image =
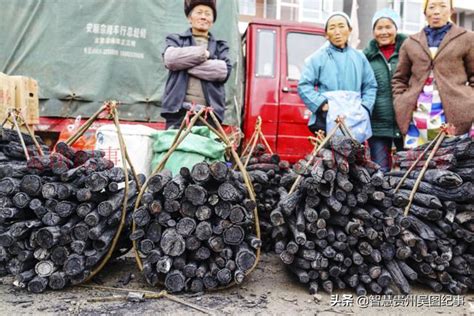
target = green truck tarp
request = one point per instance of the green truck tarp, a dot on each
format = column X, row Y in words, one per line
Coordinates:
column 83, row 52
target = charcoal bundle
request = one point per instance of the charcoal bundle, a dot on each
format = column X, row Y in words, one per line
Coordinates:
column 454, row 153
column 12, row 154
column 271, row 178
column 437, row 243
column 337, row 222
column 195, row 231
column 60, row 217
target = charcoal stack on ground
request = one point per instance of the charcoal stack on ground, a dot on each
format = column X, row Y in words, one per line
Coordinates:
column 271, row 178
column 12, row 155
column 58, row 217
column 437, row 245
column 338, row 221
column 455, row 153
column 195, row 231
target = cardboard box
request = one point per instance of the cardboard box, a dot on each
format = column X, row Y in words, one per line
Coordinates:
column 7, row 96
column 26, row 98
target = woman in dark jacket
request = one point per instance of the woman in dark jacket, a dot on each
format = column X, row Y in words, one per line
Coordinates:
column 382, row 53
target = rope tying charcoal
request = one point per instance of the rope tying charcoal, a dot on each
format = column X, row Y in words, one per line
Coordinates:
column 250, row 148
column 251, row 145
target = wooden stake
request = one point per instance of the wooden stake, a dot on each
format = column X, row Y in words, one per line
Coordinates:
column 440, row 139
column 416, row 162
column 147, row 295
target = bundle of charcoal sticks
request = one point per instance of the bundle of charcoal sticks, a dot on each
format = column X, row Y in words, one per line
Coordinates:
column 439, row 243
column 12, row 154
column 455, row 153
column 271, row 178
column 346, row 227
column 336, row 222
column 195, row 230
column 59, row 214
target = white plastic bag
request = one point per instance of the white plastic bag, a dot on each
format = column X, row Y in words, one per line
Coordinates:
column 349, row 105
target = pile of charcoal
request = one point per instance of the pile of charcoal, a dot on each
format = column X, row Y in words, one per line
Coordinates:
column 338, row 222
column 58, row 217
column 438, row 245
column 346, row 228
column 455, row 153
column 12, row 154
column 271, row 178
column 195, row 231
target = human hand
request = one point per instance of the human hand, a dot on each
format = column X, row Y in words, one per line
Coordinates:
column 207, row 54
column 450, row 129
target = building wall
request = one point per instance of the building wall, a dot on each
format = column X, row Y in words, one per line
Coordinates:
column 408, row 10
column 249, row 10
column 292, row 10
column 464, row 5
column 412, row 15
column 465, row 18
column 246, row 7
column 364, row 14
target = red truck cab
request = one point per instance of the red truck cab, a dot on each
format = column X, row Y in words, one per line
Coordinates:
column 275, row 52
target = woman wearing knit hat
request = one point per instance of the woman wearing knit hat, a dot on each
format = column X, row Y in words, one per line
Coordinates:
column 434, row 81
column 382, row 53
column 198, row 65
column 344, row 80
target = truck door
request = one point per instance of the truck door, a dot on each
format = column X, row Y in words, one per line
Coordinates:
column 262, row 80
column 292, row 136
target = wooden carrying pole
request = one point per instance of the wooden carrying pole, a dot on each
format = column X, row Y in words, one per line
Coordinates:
column 256, row 136
column 17, row 119
column 413, row 166
column 319, row 144
column 439, row 140
column 146, row 295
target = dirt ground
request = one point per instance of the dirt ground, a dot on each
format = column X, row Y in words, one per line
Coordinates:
column 269, row 290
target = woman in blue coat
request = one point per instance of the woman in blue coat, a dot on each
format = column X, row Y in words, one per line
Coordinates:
column 344, row 80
